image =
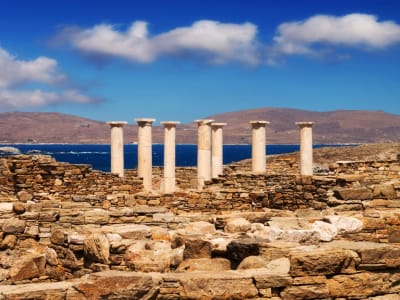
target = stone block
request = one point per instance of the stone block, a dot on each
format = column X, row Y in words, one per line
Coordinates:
column 359, row 193
column 317, row 261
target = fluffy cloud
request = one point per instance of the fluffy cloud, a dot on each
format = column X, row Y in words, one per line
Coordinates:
column 42, row 70
column 14, row 72
column 353, row 30
column 16, row 99
column 216, row 42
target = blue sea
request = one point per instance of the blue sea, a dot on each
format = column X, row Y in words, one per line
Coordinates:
column 98, row 156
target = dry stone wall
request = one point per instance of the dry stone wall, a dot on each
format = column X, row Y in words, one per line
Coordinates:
column 273, row 236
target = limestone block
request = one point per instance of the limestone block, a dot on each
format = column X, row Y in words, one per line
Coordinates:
column 196, row 247
column 149, row 256
column 359, row 193
column 24, row 196
column 313, row 261
column 6, row 207
column 199, row 227
column 14, row 226
column 363, row 284
column 315, row 291
column 217, row 285
column 97, row 248
column 204, row 264
column 129, row 231
column 276, row 266
column 385, row 191
column 237, row 225
column 27, row 267
column 327, row 232
column 96, row 216
column 113, row 285
column 345, row 224
column 374, row 255
column 8, row 242
column 237, row 250
column 53, row 290
column 51, row 257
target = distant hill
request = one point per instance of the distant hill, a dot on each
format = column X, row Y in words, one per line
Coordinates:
column 342, row 126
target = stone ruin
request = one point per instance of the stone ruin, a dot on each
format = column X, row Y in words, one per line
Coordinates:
column 70, row 232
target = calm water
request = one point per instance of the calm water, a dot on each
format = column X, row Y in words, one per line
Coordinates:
column 99, row 155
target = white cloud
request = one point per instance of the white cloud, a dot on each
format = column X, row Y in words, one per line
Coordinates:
column 353, row 30
column 42, row 70
column 14, row 72
column 16, row 99
column 216, row 42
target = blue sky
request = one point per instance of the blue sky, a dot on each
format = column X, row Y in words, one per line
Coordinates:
column 184, row 60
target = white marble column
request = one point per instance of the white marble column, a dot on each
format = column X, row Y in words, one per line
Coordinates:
column 169, row 181
column 258, row 164
column 145, row 165
column 306, row 148
column 217, row 149
column 117, row 147
column 203, row 152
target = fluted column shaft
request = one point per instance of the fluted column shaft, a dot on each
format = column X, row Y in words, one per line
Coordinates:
column 117, row 147
column 258, row 152
column 169, row 182
column 217, row 149
column 145, row 163
column 306, row 148
column 203, row 152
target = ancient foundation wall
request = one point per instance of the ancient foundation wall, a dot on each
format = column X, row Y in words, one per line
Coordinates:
column 60, row 221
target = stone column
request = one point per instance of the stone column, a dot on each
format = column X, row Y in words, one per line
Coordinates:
column 217, row 149
column 258, row 152
column 117, row 147
column 203, row 152
column 144, row 167
column 306, row 150
column 169, row 156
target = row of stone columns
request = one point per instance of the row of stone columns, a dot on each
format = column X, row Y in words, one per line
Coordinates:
column 209, row 150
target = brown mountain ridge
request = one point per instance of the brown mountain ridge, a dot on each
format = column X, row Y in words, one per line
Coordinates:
column 342, row 126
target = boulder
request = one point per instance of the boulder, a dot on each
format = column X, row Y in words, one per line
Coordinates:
column 196, row 247
column 237, row 225
column 151, row 256
column 237, row 250
column 385, row 191
column 327, row 232
column 97, row 248
column 8, row 242
column 6, row 207
column 29, row 266
column 345, row 224
column 14, row 226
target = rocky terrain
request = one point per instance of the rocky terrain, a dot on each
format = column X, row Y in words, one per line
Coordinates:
column 68, row 232
column 330, row 127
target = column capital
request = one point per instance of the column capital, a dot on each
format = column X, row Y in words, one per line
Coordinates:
column 304, row 124
column 218, row 125
column 144, row 121
column 259, row 123
column 117, row 123
column 168, row 124
column 203, row 121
